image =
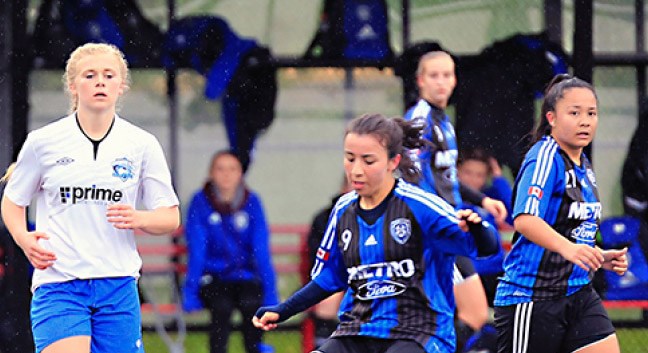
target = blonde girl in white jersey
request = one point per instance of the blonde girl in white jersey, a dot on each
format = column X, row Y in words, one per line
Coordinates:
column 87, row 171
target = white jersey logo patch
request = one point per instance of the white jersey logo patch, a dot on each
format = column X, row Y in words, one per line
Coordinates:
column 123, row 168
column 401, row 230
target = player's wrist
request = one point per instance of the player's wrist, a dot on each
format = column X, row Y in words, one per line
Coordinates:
column 21, row 238
column 141, row 218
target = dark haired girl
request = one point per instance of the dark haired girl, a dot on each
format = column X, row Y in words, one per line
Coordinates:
column 545, row 301
column 389, row 245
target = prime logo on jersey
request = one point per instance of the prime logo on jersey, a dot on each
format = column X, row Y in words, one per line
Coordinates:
column 89, row 195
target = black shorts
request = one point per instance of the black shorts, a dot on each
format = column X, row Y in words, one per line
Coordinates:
column 362, row 344
column 562, row 325
column 464, row 268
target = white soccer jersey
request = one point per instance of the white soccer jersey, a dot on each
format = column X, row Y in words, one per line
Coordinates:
column 74, row 183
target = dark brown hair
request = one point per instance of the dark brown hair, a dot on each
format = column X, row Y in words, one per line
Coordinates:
column 221, row 153
column 475, row 154
column 396, row 135
column 554, row 92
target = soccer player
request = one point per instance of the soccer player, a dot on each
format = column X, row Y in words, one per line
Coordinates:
column 390, row 246
column 229, row 254
column 87, row 172
column 437, row 161
column 545, row 301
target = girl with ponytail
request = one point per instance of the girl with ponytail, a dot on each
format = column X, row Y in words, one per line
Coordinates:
column 545, row 301
column 390, row 246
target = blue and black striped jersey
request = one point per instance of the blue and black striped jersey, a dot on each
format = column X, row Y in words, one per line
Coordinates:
column 437, row 161
column 397, row 271
column 564, row 195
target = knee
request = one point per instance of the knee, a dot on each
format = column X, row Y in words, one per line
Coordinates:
column 475, row 318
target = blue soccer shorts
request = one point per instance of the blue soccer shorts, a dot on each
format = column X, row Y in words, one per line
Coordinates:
column 106, row 309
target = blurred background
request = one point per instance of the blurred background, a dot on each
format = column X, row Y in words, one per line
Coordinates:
column 295, row 164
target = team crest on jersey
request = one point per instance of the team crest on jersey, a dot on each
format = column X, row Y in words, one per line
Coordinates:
column 123, row 168
column 401, row 230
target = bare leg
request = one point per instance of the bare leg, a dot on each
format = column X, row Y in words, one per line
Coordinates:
column 609, row 344
column 472, row 306
column 76, row 344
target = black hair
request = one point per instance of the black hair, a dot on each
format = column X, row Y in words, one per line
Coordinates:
column 476, row 154
column 396, row 135
column 553, row 93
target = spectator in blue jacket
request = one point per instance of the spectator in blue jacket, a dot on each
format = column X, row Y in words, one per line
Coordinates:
column 229, row 257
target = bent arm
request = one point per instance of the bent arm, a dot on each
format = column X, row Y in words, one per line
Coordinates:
column 162, row 220
column 540, row 232
column 301, row 300
column 14, row 217
column 486, row 238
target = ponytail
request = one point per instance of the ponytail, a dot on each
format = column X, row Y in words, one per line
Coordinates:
column 7, row 175
column 396, row 135
column 411, row 140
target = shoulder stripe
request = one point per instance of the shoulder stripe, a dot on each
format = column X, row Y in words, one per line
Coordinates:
column 544, row 161
column 548, row 164
column 420, row 111
column 532, row 206
column 432, row 201
column 344, row 201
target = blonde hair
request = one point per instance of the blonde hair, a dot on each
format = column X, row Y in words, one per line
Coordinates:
column 91, row 49
column 429, row 56
column 8, row 172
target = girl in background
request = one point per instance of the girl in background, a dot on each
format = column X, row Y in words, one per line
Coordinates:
column 229, row 264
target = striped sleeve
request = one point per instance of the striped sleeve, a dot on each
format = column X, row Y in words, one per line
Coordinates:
column 329, row 271
column 438, row 221
column 536, row 180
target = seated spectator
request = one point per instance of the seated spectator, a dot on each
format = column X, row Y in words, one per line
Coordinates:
column 480, row 171
column 229, row 264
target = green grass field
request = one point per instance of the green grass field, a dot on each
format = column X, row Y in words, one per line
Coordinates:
column 282, row 341
column 632, row 341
